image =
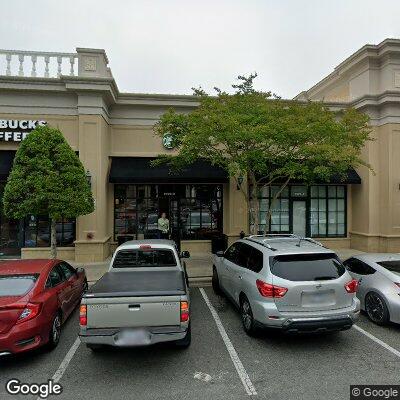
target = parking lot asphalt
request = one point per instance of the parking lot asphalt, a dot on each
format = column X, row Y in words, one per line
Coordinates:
column 278, row 366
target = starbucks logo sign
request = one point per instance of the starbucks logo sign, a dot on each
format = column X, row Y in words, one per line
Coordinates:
column 168, row 141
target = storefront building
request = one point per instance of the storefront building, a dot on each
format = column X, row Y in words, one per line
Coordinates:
column 112, row 132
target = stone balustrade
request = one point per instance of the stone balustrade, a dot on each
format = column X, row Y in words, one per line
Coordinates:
column 37, row 63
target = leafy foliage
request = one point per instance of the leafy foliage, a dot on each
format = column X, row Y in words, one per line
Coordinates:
column 47, row 178
column 266, row 139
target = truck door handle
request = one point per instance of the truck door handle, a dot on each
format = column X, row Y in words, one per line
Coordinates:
column 134, row 307
column 240, row 277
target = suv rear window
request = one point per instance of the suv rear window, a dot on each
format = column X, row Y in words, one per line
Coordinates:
column 16, row 285
column 393, row 265
column 144, row 258
column 307, row 267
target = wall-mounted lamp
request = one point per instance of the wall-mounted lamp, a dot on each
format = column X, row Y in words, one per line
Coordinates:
column 239, row 182
column 89, row 178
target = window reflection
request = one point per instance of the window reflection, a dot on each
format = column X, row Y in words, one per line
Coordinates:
column 326, row 209
column 194, row 211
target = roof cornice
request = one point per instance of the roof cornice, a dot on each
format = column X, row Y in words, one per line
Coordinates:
column 367, row 54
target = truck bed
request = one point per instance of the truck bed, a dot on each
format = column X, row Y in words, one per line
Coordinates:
column 138, row 283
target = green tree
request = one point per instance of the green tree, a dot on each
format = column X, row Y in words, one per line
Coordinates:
column 268, row 140
column 47, row 179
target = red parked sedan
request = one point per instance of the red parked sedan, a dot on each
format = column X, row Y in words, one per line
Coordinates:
column 36, row 297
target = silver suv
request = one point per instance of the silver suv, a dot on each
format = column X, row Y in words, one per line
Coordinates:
column 287, row 282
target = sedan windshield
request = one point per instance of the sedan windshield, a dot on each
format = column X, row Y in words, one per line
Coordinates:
column 16, row 285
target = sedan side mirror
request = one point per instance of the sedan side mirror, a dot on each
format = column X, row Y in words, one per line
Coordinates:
column 219, row 253
column 185, row 254
column 79, row 270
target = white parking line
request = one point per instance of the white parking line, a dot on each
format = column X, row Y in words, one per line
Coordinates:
column 67, row 359
column 378, row 341
column 244, row 377
column 65, row 362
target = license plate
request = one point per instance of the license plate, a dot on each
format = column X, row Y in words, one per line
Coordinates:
column 132, row 337
column 319, row 299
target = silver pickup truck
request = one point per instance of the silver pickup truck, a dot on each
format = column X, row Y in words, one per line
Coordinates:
column 143, row 299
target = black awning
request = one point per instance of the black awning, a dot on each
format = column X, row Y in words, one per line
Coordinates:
column 6, row 162
column 139, row 170
column 351, row 177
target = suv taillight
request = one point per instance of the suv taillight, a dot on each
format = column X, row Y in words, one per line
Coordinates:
column 352, row 286
column 268, row 290
column 83, row 315
column 184, row 311
column 30, row 311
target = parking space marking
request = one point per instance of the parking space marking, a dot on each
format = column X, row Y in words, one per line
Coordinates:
column 244, row 377
column 378, row 341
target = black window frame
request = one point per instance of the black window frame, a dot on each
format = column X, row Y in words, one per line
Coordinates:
column 324, row 194
column 34, row 231
column 140, row 200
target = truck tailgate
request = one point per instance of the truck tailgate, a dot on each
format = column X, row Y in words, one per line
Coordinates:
column 130, row 312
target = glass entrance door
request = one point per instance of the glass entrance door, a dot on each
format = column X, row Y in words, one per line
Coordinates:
column 299, row 216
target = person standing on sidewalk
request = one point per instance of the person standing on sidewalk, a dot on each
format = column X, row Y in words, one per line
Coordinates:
column 163, row 226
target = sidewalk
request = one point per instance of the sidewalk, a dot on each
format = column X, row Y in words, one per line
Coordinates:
column 199, row 266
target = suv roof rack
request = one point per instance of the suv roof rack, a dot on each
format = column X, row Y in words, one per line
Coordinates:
column 280, row 236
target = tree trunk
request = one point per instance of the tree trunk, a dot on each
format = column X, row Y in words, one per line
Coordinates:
column 254, row 209
column 270, row 208
column 53, row 239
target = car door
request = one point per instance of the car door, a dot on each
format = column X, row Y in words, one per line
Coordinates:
column 227, row 266
column 74, row 283
column 239, row 269
column 58, row 288
column 364, row 273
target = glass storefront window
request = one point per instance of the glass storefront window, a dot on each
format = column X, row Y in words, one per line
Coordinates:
column 37, row 232
column 325, row 206
column 194, row 211
column 31, row 232
column 280, row 210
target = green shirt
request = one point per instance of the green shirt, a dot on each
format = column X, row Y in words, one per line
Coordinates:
column 163, row 225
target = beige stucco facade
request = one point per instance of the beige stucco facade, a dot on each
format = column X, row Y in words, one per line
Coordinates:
column 100, row 123
column 369, row 80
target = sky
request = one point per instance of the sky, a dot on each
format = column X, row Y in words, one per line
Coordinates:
column 170, row 46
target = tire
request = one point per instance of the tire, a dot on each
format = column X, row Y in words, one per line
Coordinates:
column 246, row 315
column 95, row 347
column 215, row 282
column 185, row 342
column 55, row 332
column 376, row 308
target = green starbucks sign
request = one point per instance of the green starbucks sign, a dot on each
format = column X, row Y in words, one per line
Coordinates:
column 168, row 141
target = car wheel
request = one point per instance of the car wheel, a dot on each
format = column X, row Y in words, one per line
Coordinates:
column 376, row 308
column 185, row 342
column 247, row 316
column 95, row 347
column 55, row 332
column 215, row 282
